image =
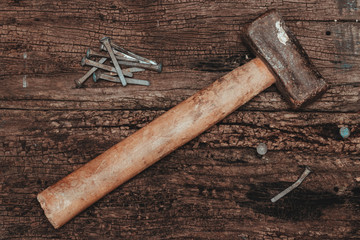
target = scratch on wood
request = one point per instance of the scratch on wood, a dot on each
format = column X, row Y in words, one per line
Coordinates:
column 24, row 82
column 24, row 78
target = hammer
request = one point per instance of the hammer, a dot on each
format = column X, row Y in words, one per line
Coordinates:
column 280, row 59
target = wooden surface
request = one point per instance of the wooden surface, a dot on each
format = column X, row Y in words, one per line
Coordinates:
column 214, row 187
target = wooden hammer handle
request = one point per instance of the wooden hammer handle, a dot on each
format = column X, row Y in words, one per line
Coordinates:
column 74, row 193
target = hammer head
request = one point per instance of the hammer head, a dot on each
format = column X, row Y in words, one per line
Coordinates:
column 296, row 77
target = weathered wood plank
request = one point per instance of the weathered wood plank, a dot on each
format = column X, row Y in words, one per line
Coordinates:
column 284, row 131
column 334, row 54
column 51, row 73
column 216, row 186
column 220, row 168
column 167, row 90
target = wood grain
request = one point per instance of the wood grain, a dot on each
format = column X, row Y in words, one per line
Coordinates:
column 213, row 187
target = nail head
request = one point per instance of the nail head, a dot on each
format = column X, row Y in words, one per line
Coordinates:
column 83, row 61
column 261, row 149
column 104, row 39
column 344, row 132
column 88, row 53
column 78, row 84
column 94, row 77
column 160, row 68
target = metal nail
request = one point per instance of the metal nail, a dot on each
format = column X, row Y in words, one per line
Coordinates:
column 157, row 67
column 127, row 71
column 106, row 42
column 92, row 53
column 120, row 54
column 100, row 75
column 135, row 69
column 293, row 186
column 86, row 61
column 123, row 50
column 112, row 73
column 79, row 82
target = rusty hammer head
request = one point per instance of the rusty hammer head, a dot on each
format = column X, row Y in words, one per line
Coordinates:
column 296, row 77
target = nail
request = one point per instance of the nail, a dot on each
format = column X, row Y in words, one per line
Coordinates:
column 135, row 69
column 86, row 61
column 293, row 186
column 261, row 149
column 130, row 71
column 81, row 80
column 100, row 75
column 142, row 64
column 156, row 68
column 344, row 132
column 120, row 54
column 123, row 50
column 92, row 53
column 126, row 73
column 124, row 63
column 106, row 42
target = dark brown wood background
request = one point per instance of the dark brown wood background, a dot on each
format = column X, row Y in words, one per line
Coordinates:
column 215, row 187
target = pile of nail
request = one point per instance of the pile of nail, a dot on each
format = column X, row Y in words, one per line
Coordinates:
column 119, row 58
